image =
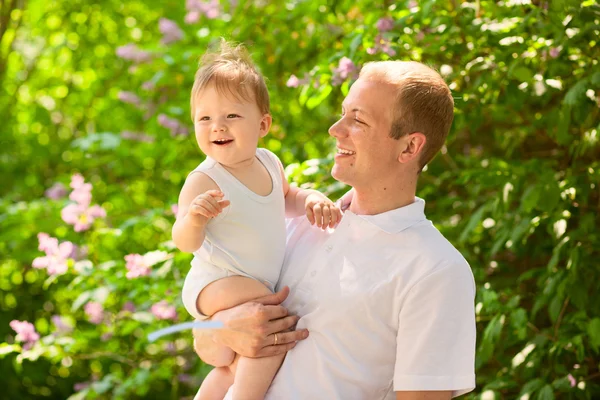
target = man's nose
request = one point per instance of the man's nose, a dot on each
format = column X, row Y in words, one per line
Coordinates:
column 337, row 129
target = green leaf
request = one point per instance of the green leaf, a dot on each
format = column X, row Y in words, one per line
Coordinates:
column 319, row 96
column 576, row 93
column 546, row 393
column 473, row 222
column 523, row 74
column 6, row 348
column 593, row 331
column 531, row 386
column 81, row 299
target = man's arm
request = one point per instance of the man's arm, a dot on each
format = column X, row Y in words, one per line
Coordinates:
column 424, row 395
column 249, row 330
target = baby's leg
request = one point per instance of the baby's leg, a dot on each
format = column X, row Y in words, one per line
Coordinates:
column 215, row 385
column 253, row 376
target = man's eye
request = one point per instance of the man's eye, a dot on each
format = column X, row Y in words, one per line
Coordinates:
column 232, row 116
column 359, row 121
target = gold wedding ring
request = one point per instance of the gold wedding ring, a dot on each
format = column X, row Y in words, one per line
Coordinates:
column 275, row 341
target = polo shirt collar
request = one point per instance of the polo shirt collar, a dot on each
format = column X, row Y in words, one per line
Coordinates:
column 397, row 220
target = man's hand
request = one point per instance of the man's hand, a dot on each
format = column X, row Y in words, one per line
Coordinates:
column 322, row 211
column 206, row 206
column 250, row 328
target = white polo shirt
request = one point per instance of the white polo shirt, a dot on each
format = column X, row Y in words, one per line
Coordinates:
column 389, row 304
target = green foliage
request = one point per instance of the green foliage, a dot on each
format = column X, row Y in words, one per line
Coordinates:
column 516, row 188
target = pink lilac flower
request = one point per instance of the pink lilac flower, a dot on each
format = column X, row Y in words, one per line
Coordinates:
column 137, row 136
column 94, row 311
column 381, row 45
column 148, row 85
column 162, row 310
column 80, row 214
column 56, row 192
column 131, row 52
column 81, row 217
column 61, row 326
column 57, row 255
column 25, row 333
column 385, row 24
column 293, row 82
column 174, row 209
column 136, row 266
column 572, row 380
column 172, row 124
column 211, row 9
column 170, row 30
column 129, row 98
column 346, row 69
column 554, row 52
column 82, row 192
column 81, row 386
column 129, row 307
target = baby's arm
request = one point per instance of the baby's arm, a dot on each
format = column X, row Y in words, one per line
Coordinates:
column 315, row 205
column 199, row 201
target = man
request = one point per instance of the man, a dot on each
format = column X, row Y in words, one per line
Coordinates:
column 387, row 300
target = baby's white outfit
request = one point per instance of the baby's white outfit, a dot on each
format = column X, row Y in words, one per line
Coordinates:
column 247, row 238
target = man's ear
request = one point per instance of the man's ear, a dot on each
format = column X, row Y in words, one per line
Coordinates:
column 412, row 147
column 265, row 124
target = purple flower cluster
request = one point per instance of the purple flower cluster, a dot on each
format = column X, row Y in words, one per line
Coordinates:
column 346, row 69
column 80, row 214
column 56, row 192
column 294, row 82
column 383, row 45
column 131, row 52
column 170, row 30
column 210, row 9
column 176, row 127
column 129, row 98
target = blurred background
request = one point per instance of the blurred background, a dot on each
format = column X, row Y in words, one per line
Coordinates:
column 95, row 145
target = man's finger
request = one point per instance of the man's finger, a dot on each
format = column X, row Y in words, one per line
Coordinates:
column 282, row 324
column 291, row 337
column 318, row 215
column 275, row 298
column 326, row 216
column 275, row 350
column 310, row 215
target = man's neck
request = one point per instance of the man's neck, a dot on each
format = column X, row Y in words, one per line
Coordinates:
column 372, row 202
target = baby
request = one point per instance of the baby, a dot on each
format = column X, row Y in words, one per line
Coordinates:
column 232, row 209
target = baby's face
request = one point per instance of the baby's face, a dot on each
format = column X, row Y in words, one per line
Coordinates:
column 228, row 129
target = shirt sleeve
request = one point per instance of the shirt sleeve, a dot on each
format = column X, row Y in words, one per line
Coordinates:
column 435, row 345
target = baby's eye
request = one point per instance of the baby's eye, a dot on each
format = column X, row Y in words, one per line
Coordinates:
column 205, row 118
column 232, row 115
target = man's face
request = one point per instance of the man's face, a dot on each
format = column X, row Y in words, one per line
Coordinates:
column 365, row 151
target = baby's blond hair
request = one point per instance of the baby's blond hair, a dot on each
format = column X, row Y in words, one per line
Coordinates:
column 233, row 73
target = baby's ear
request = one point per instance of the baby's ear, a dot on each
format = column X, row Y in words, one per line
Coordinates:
column 265, row 124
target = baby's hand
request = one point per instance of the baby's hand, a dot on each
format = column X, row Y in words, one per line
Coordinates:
column 322, row 211
column 206, row 206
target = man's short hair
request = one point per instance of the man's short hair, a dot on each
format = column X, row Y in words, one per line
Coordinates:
column 233, row 73
column 423, row 104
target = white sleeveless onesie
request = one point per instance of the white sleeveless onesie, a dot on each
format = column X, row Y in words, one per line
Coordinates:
column 247, row 238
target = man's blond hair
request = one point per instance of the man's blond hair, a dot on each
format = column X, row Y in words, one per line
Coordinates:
column 423, row 102
column 232, row 72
